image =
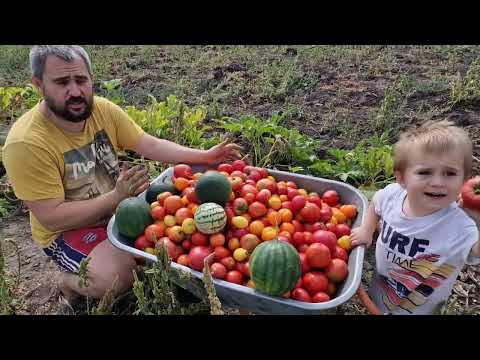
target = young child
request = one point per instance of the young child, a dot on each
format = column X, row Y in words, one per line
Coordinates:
column 425, row 238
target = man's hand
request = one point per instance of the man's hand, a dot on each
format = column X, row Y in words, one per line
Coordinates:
column 131, row 182
column 223, row 152
column 361, row 236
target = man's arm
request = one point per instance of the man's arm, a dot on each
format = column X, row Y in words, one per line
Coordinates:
column 60, row 215
column 171, row 153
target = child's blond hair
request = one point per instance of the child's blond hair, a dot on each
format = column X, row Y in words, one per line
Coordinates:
column 434, row 137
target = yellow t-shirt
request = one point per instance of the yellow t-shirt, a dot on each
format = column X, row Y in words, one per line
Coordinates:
column 46, row 162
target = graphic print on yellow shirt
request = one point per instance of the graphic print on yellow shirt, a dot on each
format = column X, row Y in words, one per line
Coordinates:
column 46, row 162
column 91, row 170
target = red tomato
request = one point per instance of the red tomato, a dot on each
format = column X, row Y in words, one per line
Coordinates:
column 326, row 238
column 292, row 185
column 310, row 213
column 228, row 262
column 287, row 205
column 267, row 184
column 320, row 297
column 298, row 225
column 183, row 260
column 340, row 253
column 187, row 244
column 191, row 195
column 471, row 193
column 325, row 213
column 248, row 188
column 298, row 202
column 197, row 254
column 236, row 182
column 263, row 196
column 218, row 270
column 315, row 281
column 304, row 263
column 158, row 213
column 315, row 199
column 302, row 248
column 199, row 239
column 243, row 267
column 337, row 270
column 170, row 245
column 298, row 238
column 239, row 233
column 141, row 243
column 318, row 226
column 342, row 229
column 225, row 167
column 263, row 172
column 234, row 276
column 291, row 193
column 254, row 175
column 217, row 239
column 238, row 165
column 282, row 189
column 154, row 232
column 308, row 237
column 182, row 170
column 257, row 209
column 221, row 252
column 318, row 256
column 299, row 283
column 240, row 174
column 301, row 294
column 331, row 227
column 331, row 197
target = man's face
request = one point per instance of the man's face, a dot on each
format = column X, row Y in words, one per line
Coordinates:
column 67, row 88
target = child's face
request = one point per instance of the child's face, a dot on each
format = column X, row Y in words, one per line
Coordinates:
column 432, row 181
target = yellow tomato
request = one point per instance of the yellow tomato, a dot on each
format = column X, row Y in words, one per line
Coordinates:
column 169, row 220
column 240, row 254
column 345, row 242
column 239, row 222
column 274, row 202
column 269, row 233
column 256, row 227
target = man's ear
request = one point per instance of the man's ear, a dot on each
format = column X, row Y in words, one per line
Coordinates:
column 399, row 177
column 38, row 83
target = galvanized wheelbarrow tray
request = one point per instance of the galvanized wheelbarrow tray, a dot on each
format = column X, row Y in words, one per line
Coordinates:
column 237, row 296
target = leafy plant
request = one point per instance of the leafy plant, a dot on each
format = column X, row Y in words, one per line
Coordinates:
column 15, row 100
column 369, row 164
column 467, row 90
column 112, row 90
column 270, row 143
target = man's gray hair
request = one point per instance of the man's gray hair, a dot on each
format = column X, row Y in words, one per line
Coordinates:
column 39, row 54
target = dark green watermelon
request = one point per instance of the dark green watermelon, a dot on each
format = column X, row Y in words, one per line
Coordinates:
column 158, row 188
column 132, row 217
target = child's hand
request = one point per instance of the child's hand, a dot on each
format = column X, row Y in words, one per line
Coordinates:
column 360, row 236
column 475, row 215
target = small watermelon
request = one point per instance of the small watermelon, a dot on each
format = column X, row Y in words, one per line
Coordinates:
column 210, row 218
column 132, row 217
column 213, row 187
column 158, row 188
column 275, row 267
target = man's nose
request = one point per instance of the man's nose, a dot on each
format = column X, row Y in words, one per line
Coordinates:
column 74, row 90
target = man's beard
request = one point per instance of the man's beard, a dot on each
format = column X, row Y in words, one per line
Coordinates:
column 66, row 114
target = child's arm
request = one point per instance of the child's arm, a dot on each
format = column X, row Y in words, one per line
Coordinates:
column 363, row 234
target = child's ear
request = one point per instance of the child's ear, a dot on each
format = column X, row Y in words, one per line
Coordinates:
column 399, row 177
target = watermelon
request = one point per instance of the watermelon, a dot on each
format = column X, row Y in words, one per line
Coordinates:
column 132, row 217
column 275, row 267
column 210, row 218
column 157, row 188
column 213, row 187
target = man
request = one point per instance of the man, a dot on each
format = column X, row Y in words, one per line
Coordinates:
column 61, row 158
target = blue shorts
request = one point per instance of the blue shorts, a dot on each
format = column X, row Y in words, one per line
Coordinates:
column 71, row 247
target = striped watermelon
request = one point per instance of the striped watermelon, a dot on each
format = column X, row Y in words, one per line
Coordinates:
column 275, row 267
column 210, row 218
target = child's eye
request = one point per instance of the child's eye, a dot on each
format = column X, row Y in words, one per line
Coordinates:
column 424, row 172
column 451, row 173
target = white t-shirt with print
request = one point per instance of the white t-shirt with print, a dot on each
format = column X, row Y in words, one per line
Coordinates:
column 418, row 259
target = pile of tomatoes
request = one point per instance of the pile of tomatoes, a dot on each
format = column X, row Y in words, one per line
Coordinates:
column 260, row 209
